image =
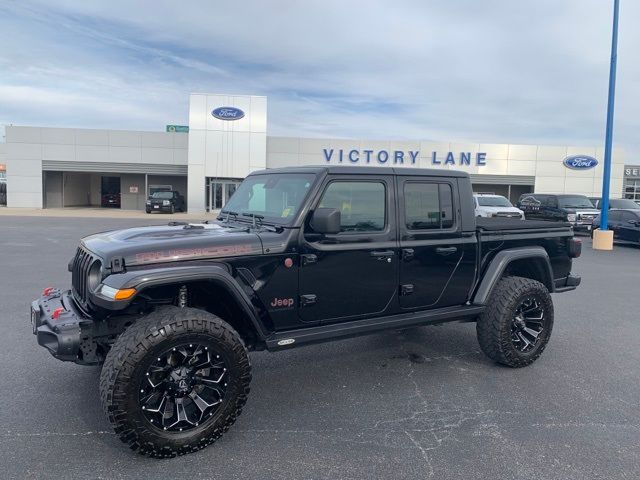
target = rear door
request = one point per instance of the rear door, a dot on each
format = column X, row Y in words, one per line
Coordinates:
column 628, row 228
column 431, row 243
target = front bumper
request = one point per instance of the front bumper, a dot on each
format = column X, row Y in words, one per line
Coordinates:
column 583, row 224
column 158, row 208
column 58, row 326
column 582, row 227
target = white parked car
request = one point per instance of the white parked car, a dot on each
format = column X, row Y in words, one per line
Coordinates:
column 495, row 206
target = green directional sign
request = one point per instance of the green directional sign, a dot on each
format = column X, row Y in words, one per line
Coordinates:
column 178, row 128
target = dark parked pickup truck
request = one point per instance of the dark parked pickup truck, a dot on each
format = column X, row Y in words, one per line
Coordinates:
column 298, row 256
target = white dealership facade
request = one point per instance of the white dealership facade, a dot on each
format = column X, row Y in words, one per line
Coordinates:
column 227, row 139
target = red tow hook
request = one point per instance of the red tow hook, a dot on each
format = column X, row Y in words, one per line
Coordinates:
column 47, row 291
column 56, row 313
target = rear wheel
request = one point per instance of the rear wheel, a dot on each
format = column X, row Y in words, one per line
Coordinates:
column 516, row 326
column 175, row 381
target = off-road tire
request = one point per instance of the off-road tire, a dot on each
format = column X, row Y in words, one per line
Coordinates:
column 494, row 325
column 124, row 368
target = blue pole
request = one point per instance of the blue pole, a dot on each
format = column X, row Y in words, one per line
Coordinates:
column 606, row 177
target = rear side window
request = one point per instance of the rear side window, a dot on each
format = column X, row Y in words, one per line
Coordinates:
column 615, row 216
column 628, row 216
column 428, row 206
column 362, row 205
column 550, row 202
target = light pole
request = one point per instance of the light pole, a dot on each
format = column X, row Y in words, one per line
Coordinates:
column 603, row 238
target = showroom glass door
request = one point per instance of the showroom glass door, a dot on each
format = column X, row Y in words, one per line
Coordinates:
column 219, row 192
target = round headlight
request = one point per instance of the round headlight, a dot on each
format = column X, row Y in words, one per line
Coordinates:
column 94, row 276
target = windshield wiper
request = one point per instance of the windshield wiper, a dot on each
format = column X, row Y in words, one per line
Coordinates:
column 228, row 214
column 254, row 217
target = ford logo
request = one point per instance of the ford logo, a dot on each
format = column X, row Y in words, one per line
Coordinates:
column 227, row 113
column 580, row 162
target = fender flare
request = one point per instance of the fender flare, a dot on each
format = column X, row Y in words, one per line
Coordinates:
column 499, row 264
column 143, row 279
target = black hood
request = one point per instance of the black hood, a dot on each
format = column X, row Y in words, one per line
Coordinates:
column 173, row 243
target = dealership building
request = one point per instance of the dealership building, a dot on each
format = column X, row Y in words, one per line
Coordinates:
column 227, row 139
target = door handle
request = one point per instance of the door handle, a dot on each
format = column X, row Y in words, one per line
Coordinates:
column 308, row 259
column 407, row 254
column 446, row 250
column 382, row 253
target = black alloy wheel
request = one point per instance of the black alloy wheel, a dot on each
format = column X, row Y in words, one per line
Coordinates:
column 527, row 324
column 175, row 381
column 516, row 325
column 183, row 387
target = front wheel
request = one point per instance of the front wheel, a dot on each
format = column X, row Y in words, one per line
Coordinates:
column 516, row 325
column 175, row 381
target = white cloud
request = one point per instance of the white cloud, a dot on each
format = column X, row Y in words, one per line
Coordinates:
column 493, row 71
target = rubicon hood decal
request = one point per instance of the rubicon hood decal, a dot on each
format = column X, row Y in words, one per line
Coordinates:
column 177, row 254
column 173, row 243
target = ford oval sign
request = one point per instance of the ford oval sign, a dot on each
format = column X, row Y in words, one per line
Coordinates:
column 580, row 162
column 227, row 113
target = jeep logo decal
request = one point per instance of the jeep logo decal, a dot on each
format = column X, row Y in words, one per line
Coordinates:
column 281, row 303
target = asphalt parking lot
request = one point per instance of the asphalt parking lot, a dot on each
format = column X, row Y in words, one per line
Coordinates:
column 422, row 403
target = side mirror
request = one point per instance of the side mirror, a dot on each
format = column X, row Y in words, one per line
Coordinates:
column 325, row 220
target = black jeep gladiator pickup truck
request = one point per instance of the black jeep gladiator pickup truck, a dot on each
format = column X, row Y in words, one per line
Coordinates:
column 297, row 256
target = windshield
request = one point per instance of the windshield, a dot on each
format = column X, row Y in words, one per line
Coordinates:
column 496, row 201
column 574, row 202
column 164, row 195
column 623, row 203
column 277, row 197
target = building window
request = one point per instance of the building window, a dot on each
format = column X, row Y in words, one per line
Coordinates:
column 632, row 189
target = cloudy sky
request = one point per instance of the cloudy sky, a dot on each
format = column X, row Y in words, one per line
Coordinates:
column 526, row 71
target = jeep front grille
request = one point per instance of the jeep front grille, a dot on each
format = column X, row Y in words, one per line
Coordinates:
column 80, row 274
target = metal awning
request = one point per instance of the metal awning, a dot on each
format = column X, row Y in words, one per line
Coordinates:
column 114, row 167
column 503, row 179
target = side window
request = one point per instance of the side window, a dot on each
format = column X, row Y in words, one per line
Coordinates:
column 446, row 205
column 549, row 201
column 428, row 206
column 362, row 205
column 614, row 216
column 626, row 216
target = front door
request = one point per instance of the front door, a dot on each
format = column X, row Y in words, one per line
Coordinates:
column 352, row 274
column 613, row 223
column 432, row 247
